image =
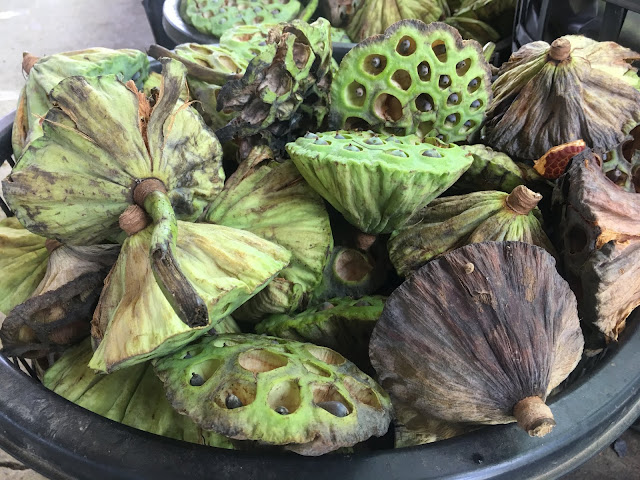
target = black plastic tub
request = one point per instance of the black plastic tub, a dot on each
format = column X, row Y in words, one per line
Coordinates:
column 181, row 32
column 63, row 441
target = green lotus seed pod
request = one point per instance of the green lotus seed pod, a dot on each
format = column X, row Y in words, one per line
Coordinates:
column 342, row 324
column 48, row 71
column 133, row 396
column 247, row 378
column 214, row 18
column 58, row 312
column 273, row 201
column 375, row 190
column 23, row 263
column 225, row 267
column 246, row 37
column 417, row 78
column 339, row 35
column 451, row 222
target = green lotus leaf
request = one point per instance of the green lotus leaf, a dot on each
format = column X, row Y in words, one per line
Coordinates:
column 23, row 263
column 74, row 182
column 377, row 182
column 134, row 321
column 573, row 89
column 273, row 201
column 133, row 396
column 48, row 71
column 280, row 392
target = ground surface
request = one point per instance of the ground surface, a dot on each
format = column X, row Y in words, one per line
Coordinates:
column 48, row 26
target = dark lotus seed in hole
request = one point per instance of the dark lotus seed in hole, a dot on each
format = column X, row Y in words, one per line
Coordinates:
column 398, row 153
column 335, row 408
column 374, row 141
column 351, row 148
column 321, row 141
column 461, row 64
column 311, row 135
column 452, row 118
column 432, row 154
column 262, row 44
column 423, row 71
column 406, row 46
column 339, row 137
column 473, row 83
column 475, row 104
column 232, row 402
column 376, row 62
column 445, row 81
column 468, row 124
column 360, row 92
column 282, row 410
column 424, row 102
column 453, row 99
column 440, row 137
column 196, row 380
column 187, row 356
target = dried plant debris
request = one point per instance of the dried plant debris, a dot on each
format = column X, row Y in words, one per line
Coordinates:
column 404, row 172
column 285, row 89
column 483, row 20
column 58, row 312
column 622, row 164
column 553, row 163
column 451, row 222
column 599, row 240
column 342, row 324
column 133, row 396
column 575, row 88
column 23, row 263
column 487, row 331
column 415, row 78
column 307, row 398
column 224, row 266
column 46, row 72
column 273, row 201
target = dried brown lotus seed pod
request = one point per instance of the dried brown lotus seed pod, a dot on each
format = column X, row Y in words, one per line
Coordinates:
column 481, row 345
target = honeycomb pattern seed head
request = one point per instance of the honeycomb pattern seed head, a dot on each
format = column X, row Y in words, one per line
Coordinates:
column 279, row 392
column 377, row 181
column 415, row 79
column 215, row 17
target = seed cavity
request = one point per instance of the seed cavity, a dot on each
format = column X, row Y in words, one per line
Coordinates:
column 374, row 64
column 232, row 402
column 444, row 81
column 196, row 380
column 476, row 104
column 406, row 46
column 339, row 137
column 282, row 410
column 424, row 71
column 398, row 153
column 453, row 99
column 374, row 141
column 424, row 102
column 431, row 153
column 321, row 141
column 311, row 135
column 473, row 85
column 440, row 50
column 351, row 148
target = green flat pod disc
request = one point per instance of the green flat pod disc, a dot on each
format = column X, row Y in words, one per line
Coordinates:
column 133, row 396
column 416, row 78
column 377, row 182
column 135, row 322
column 280, row 392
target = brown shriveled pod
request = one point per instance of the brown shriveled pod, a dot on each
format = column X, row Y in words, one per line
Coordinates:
column 480, row 335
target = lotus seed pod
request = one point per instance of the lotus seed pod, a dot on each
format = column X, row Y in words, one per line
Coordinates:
column 416, row 78
column 372, row 17
column 622, row 164
column 339, row 35
column 450, row 222
column 517, row 336
column 273, row 201
column 377, row 182
column 243, row 38
column 58, row 313
column 225, row 267
column 414, row 428
column 248, row 378
column 214, row 18
column 598, row 226
column 23, row 263
column 48, row 71
column 342, row 324
column 575, row 88
column 133, row 396
column 285, row 90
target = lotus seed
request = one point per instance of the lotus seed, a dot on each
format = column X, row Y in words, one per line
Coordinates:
column 405, row 45
column 440, row 137
column 196, row 380
column 359, row 92
column 374, row 141
column 451, row 118
column 393, row 139
column 351, row 148
column 339, row 137
column 282, row 410
column 445, row 81
column 337, row 409
column 376, row 62
column 473, row 83
column 232, row 402
column 424, row 104
column 275, row 12
column 311, row 135
column 432, row 154
column 453, row 98
column 461, row 64
column 187, row 356
column 423, row 70
column 262, row 44
column 398, row 153
column 475, row 104
column 326, row 306
column 468, row 123
column 321, row 141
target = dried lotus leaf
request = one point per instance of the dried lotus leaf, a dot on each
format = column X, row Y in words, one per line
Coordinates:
column 485, row 329
column 135, row 322
column 238, row 385
column 133, row 396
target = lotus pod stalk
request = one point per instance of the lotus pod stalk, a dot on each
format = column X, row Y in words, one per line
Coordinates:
column 305, row 397
column 415, row 79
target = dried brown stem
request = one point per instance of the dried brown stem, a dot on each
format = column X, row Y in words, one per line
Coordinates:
column 522, row 200
column 534, row 416
column 133, row 220
column 560, row 50
column 145, row 187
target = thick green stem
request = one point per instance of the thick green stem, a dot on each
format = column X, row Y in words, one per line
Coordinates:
column 176, row 288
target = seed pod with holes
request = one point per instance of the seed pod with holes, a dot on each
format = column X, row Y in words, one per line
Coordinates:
column 575, row 88
column 330, row 403
column 73, row 183
column 342, row 324
column 225, row 266
column 450, row 222
column 273, row 201
column 622, row 164
column 215, row 18
column 23, row 263
column 377, row 182
column 58, row 313
column 598, row 225
column 46, row 72
column 415, row 78
column 133, row 396
column 486, row 332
